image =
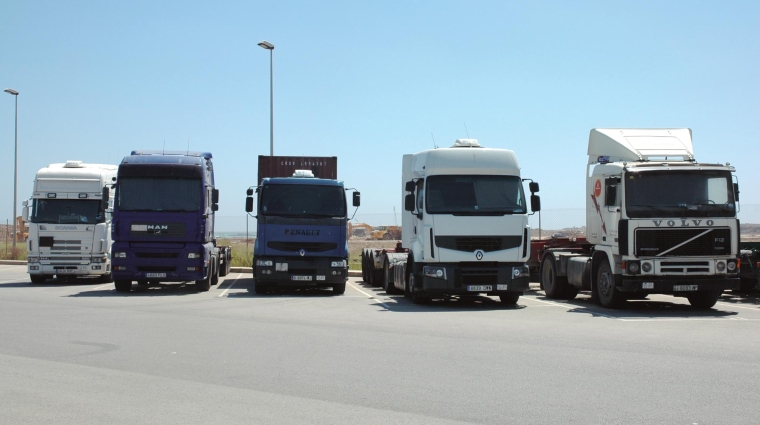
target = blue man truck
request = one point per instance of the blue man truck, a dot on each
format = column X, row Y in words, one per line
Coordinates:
column 302, row 217
column 163, row 221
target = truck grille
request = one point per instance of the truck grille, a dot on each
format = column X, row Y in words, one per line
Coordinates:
column 684, row 267
column 156, row 268
column 306, row 246
column 471, row 243
column 157, row 254
column 673, row 242
column 476, row 274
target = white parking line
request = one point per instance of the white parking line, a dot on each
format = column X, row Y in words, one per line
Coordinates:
column 370, row 296
column 224, row 293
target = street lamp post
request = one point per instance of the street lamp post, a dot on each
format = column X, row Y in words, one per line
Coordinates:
column 269, row 46
column 15, row 168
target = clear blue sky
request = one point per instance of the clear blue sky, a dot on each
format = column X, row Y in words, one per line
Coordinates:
column 370, row 81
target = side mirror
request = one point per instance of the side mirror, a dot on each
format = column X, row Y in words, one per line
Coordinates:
column 533, row 186
column 409, row 186
column 535, row 203
column 214, row 207
column 357, row 199
column 736, row 192
column 25, row 212
column 104, row 199
column 249, row 192
column 409, row 202
column 215, row 196
column 249, row 203
column 610, row 195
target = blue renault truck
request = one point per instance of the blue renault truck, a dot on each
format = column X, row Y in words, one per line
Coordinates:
column 302, row 218
column 163, row 221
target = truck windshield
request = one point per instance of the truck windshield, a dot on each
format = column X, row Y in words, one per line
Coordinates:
column 698, row 193
column 475, row 195
column 160, row 194
column 66, row 211
column 303, row 200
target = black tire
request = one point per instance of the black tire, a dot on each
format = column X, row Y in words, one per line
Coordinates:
column 215, row 271
column 123, row 285
column 554, row 286
column 339, row 289
column 387, row 237
column 416, row 296
column 365, row 274
column 260, row 289
column 609, row 296
column 105, row 278
column 225, row 269
column 37, row 278
column 704, row 299
column 203, row 285
column 388, row 285
column 510, row 298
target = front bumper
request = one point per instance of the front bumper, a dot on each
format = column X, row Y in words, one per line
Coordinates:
column 69, row 269
column 476, row 279
column 289, row 272
column 666, row 284
column 159, row 264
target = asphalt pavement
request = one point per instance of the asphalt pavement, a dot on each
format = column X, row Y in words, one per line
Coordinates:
column 82, row 353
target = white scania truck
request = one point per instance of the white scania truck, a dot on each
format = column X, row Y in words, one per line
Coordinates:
column 465, row 230
column 657, row 222
column 69, row 218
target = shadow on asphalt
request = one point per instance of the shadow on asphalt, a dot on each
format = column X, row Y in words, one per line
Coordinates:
column 741, row 298
column 401, row 304
column 53, row 283
column 156, row 290
column 639, row 309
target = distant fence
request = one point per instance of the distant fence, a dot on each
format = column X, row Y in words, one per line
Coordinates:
column 552, row 220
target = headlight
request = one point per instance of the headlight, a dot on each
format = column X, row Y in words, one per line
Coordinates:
column 434, row 271
column 32, row 259
column 264, row 263
column 119, row 255
column 341, row 263
column 633, row 267
column 731, row 266
column 522, row 271
column 720, row 266
column 194, row 255
column 99, row 259
column 646, row 267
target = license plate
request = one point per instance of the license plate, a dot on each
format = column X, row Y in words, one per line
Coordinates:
column 65, row 271
column 684, row 288
column 155, row 274
column 647, row 285
column 300, row 277
column 320, row 278
column 480, row 288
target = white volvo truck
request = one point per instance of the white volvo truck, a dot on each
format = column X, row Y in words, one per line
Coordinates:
column 69, row 218
column 465, row 230
column 657, row 222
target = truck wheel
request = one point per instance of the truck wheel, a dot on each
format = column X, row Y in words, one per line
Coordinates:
column 609, row 296
column 105, row 278
column 215, row 270
column 554, row 286
column 510, row 298
column 704, row 299
column 260, row 289
column 204, row 285
column 339, row 289
column 365, row 276
column 387, row 237
column 123, row 285
column 225, row 269
column 416, row 296
column 37, row 278
column 388, row 285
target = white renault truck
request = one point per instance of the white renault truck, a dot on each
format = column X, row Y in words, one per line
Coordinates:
column 465, row 230
column 69, row 218
column 657, row 222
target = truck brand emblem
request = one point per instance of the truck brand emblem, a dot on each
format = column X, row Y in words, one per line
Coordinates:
column 302, row 232
column 302, row 252
column 598, row 188
column 684, row 222
column 479, row 254
column 65, row 227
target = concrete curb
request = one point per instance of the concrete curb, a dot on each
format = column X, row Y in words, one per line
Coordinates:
column 13, row 262
column 351, row 273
